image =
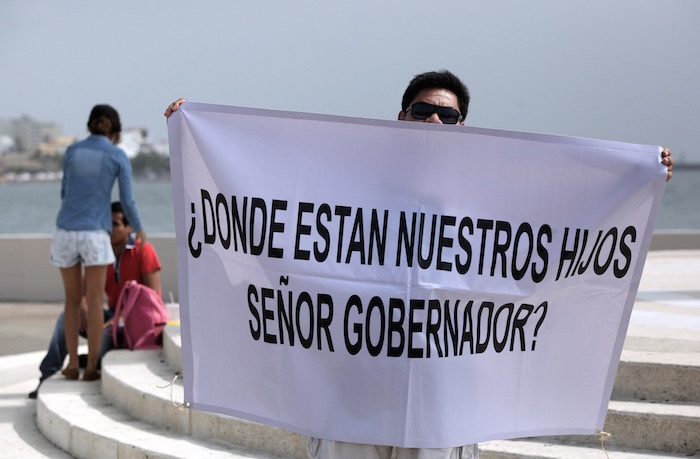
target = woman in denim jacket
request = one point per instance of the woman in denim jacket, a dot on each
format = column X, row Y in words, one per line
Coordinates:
column 81, row 246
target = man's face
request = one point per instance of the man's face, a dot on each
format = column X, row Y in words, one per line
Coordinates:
column 120, row 231
column 434, row 96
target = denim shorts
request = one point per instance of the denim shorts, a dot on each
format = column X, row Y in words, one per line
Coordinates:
column 90, row 248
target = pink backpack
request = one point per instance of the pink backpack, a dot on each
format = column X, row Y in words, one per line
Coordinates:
column 143, row 317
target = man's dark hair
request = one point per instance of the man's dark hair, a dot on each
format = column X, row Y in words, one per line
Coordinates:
column 442, row 79
column 117, row 207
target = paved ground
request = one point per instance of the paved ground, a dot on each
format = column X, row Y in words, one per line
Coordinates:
column 26, row 327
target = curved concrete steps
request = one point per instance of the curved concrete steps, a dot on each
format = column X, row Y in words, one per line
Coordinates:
column 143, row 387
column 655, row 412
column 129, row 414
column 78, row 419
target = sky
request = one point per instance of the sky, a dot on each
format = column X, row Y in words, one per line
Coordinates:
column 626, row 70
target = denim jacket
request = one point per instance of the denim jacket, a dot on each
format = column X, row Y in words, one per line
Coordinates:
column 90, row 168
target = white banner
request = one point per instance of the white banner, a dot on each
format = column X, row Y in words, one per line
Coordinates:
column 402, row 283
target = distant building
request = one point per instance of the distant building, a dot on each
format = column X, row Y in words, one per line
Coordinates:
column 26, row 135
column 136, row 140
column 162, row 148
column 7, row 138
column 6, row 127
column 7, row 143
column 29, row 133
column 55, row 146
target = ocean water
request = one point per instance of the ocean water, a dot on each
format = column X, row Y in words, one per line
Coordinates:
column 31, row 208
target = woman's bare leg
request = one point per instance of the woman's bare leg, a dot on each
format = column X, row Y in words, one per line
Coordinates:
column 94, row 294
column 73, row 289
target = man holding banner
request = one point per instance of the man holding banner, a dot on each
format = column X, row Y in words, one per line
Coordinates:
column 489, row 277
column 438, row 98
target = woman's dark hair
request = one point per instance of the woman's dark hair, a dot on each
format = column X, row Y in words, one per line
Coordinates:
column 104, row 120
column 443, row 79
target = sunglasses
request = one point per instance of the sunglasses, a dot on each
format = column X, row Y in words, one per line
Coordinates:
column 424, row 110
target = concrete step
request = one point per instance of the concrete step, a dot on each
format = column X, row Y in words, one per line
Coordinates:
column 655, row 404
column 658, row 376
column 528, row 449
column 141, row 384
column 172, row 347
column 665, row 427
column 672, row 427
column 78, row 419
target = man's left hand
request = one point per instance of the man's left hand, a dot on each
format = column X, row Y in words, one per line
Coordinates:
column 667, row 160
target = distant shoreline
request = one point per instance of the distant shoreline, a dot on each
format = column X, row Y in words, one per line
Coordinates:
column 54, row 178
column 51, row 176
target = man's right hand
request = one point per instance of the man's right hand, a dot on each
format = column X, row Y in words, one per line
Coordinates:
column 172, row 107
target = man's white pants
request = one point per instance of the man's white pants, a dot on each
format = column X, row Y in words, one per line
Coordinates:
column 329, row 449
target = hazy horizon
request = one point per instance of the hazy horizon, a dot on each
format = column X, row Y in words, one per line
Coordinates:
column 625, row 70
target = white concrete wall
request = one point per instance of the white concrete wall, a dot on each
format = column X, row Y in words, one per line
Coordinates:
column 27, row 275
column 675, row 240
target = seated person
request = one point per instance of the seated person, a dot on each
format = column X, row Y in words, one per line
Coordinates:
column 134, row 261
